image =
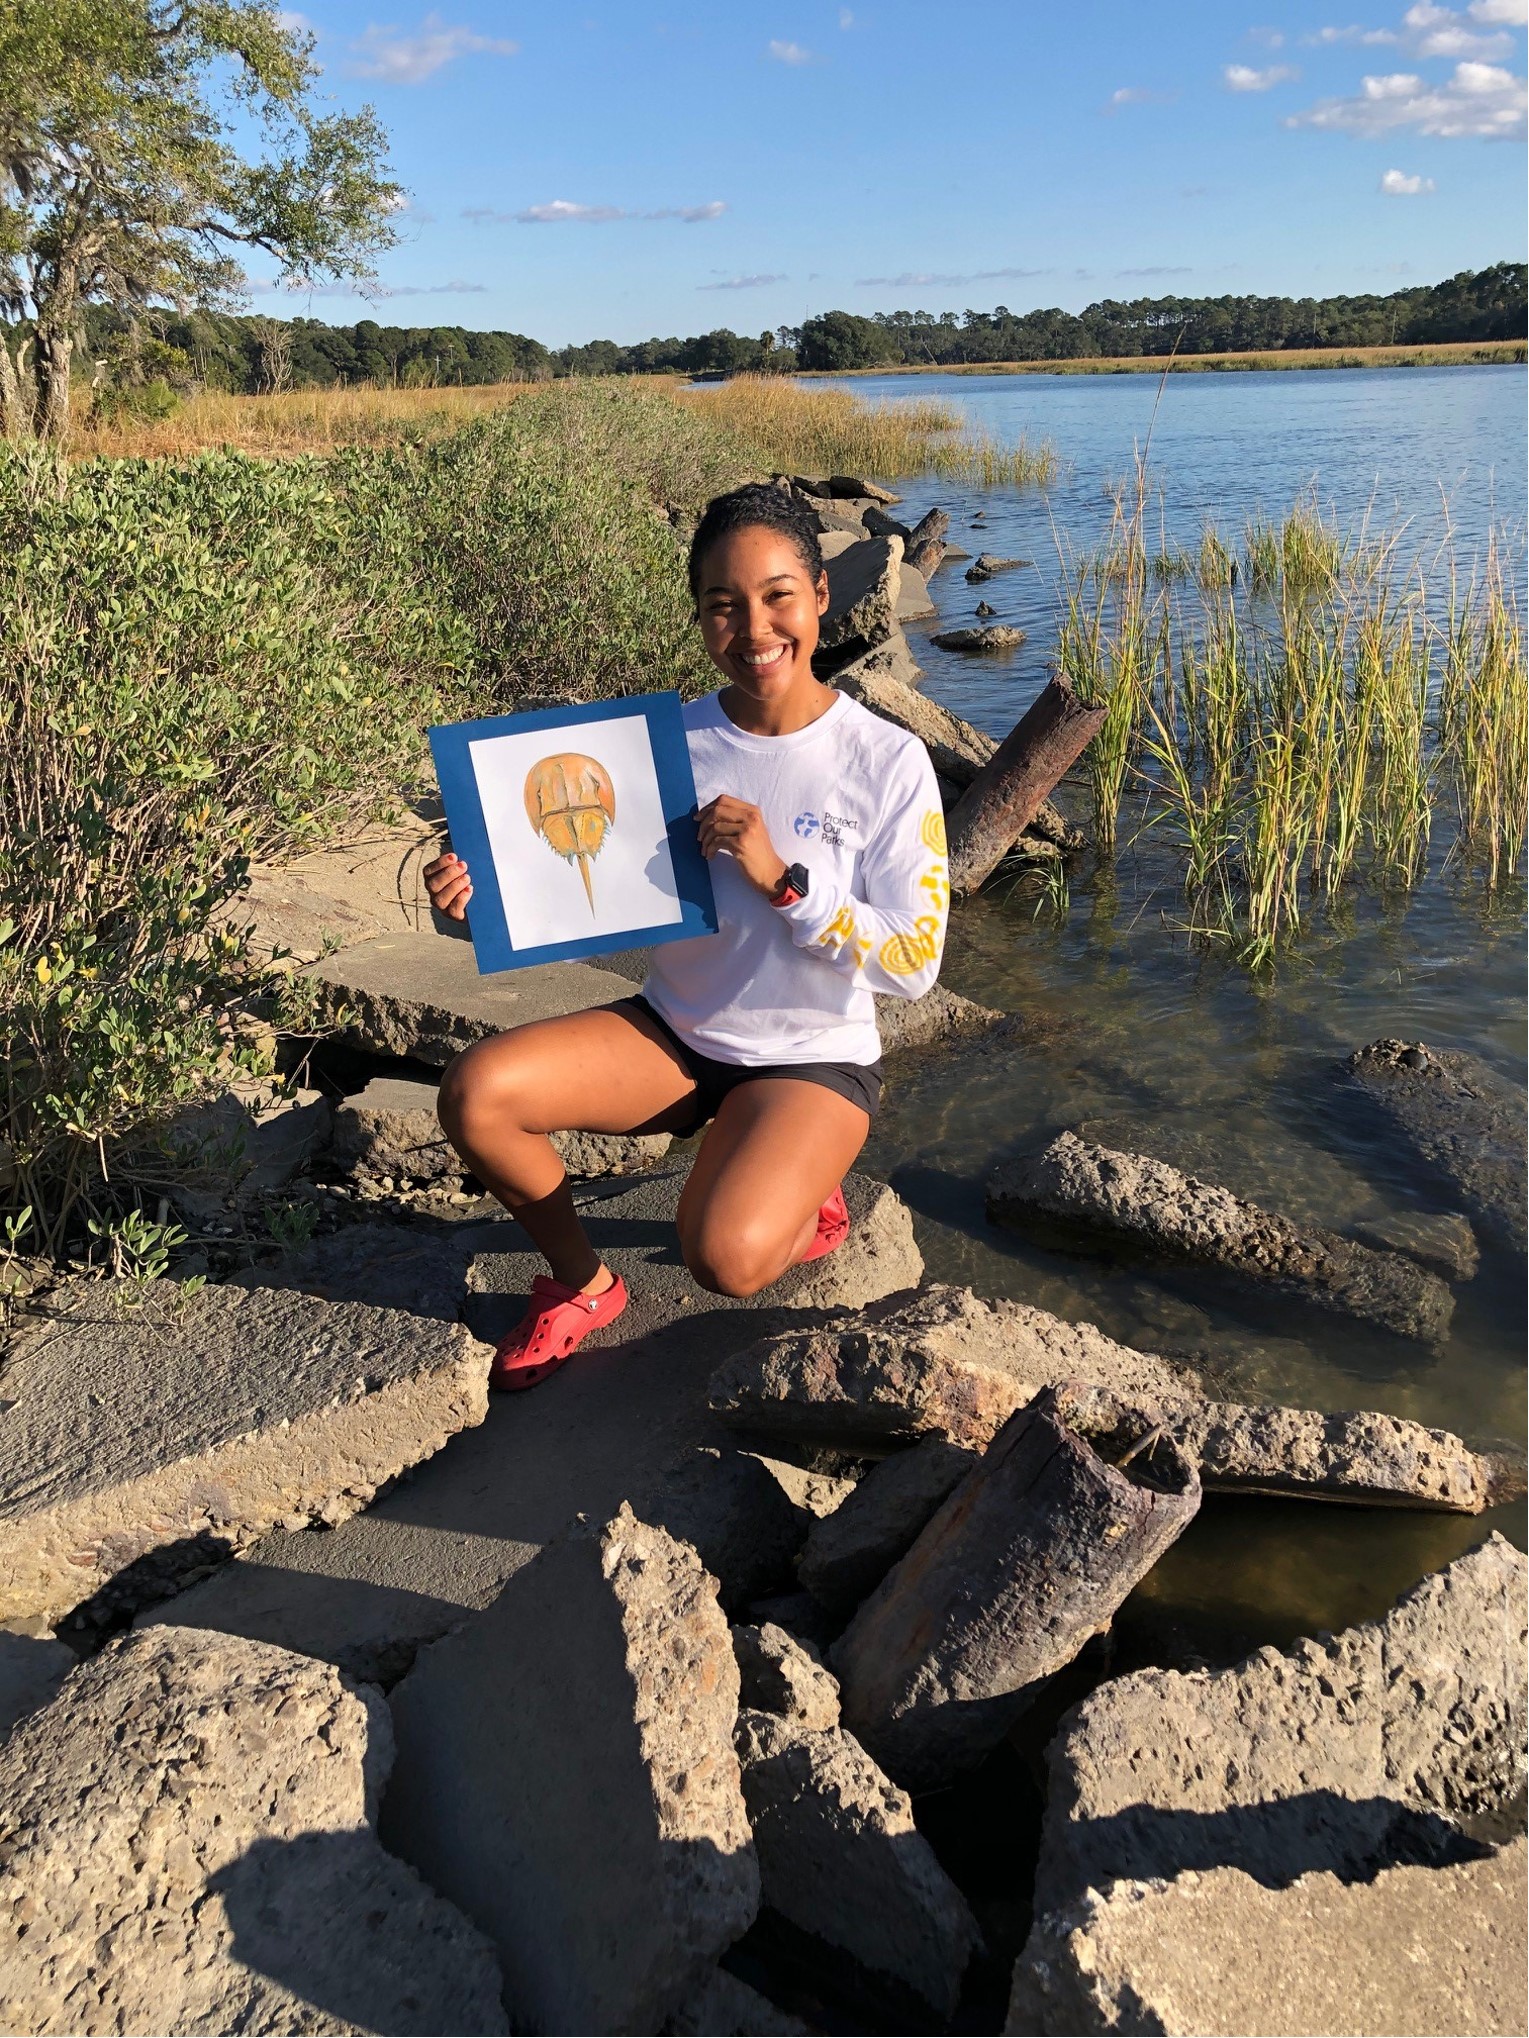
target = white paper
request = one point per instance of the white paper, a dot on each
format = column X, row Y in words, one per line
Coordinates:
column 632, row 874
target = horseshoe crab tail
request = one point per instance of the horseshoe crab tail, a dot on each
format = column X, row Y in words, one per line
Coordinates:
column 589, row 890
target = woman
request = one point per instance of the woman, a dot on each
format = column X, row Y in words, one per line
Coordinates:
column 823, row 828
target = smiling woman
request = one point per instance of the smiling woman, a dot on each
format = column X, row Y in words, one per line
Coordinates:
column 823, row 828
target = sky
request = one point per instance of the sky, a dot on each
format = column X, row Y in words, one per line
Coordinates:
column 636, row 169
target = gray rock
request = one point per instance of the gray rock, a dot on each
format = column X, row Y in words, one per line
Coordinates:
column 1026, row 1561
column 799, row 1615
column 1461, row 1118
column 986, row 564
column 1425, row 1950
column 125, row 1470
column 32, row 1667
column 1098, row 1193
column 840, row 1857
column 880, row 525
column 944, row 1364
column 834, row 518
column 1442, row 1241
column 842, row 485
column 389, row 1266
column 832, row 543
column 818, row 1493
column 985, row 608
column 418, row 996
column 913, row 602
column 287, row 915
column 956, row 750
column 849, row 1552
column 892, row 660
column 566, row 1774
column 725, row 2007
column 1343, row 1755
column 391, row 1128
column 737, row 1518
column 862, row 595
column 607, row 1429
column 781, row 1675
column 247, row 1142
column 980, row 637
column 932, row 1020
column 189, row 1848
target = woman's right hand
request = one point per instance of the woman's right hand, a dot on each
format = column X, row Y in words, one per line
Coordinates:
column 449, row 886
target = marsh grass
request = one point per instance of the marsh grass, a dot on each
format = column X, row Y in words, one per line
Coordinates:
column 831, row 431
column 297, row 421
column 1297, row 717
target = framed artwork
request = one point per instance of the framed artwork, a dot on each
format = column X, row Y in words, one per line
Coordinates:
column 577, row 825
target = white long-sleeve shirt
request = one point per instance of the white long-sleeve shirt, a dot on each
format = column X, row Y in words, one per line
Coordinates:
column 854, row 800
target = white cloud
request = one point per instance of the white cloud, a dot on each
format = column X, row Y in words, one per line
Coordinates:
column 744, row 282
column 912, row 279
column 400, row 59
column 846, row 19
column 1365, row 37
column 1397, row 184
column 1439, row 32
column 1157, row 269
column 791, row 53
column 1243, row 78
column 1500, row 13
column 564, row 212
column 1479, row 100
column 289, row 20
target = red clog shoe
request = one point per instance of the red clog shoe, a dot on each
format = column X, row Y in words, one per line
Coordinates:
column 833, row 1228
column 551, row 1331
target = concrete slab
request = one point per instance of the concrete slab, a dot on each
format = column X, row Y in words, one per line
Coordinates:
column 146, row 1435
column 390, row 1130
column 606, row 1429
column 415, row 995
column 566, row 1774
column 1419, row 1950
column 189, row 1848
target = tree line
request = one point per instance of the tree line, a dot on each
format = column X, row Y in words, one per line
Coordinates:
column 256, row 354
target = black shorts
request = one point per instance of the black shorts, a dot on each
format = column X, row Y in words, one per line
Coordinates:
column 860, row 1082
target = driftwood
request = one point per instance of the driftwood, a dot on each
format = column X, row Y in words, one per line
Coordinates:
column 1073, row 1503
column 1000, row 802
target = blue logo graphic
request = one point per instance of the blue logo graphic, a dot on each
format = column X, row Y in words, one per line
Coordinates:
column 806, row 824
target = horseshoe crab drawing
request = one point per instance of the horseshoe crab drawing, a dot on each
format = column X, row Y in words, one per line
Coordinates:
column 571, row 804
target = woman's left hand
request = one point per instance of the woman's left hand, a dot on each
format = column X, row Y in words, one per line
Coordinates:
column 739, row 829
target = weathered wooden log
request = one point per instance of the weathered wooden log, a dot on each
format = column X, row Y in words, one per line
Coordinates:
column 925, row 556
column 934, row 523
column 1073, row 1503
column 1011, row 787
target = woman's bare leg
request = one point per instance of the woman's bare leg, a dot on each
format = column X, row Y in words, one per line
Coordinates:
column 776, row 1152
column 601, row 1071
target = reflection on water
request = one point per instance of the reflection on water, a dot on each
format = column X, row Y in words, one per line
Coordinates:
column 1138, row 1039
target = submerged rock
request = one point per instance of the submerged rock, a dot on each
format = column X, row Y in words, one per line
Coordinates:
column 126, row 1471
column 566, row 1773
column 939, row 1016
column 841, row 1858
column 980, row 637
column 1461, row 1118
column 986, row 564
column 1097, row 1193
column 1423, row 1950
column 188, row 1847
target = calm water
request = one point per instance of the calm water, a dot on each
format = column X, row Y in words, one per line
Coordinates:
column 1138, row 1039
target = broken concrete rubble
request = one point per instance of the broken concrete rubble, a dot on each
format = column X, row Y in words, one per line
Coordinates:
column 566, row 1774
column 1461, row 1118
column 1024, row 1563
column 725, row 2007
column 367, row 1594
column 391, row 1129
column 863, row 584
column 778, row 1674
column 189, row 1848
column 1096, row 1193
column 980, row 637
column 419, row 996
column 125, row 1471
column 935, row 1018
column 1347, row 1754
column 841, row 1858
column 849, row 1552
column 735, row 1515
column 1418, row 1949
column 956, row 750
column 945, row 1363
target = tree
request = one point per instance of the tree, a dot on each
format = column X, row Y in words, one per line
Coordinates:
column 141, row 142
column 842, row 339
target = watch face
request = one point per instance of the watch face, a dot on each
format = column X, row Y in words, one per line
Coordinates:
column 797, row 879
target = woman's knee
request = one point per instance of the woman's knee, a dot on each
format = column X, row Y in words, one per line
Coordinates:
column 733, row 1260
column 487, row 1084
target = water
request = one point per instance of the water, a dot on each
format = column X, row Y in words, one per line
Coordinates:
column 1137, row 1038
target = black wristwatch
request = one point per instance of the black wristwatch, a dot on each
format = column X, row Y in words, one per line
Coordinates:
column 791, row 885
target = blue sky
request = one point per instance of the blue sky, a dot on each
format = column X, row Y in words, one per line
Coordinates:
column 630, row 169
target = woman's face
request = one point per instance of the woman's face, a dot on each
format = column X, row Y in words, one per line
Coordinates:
column 759, row 609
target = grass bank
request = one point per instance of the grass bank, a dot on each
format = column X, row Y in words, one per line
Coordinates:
column 1452, row 354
